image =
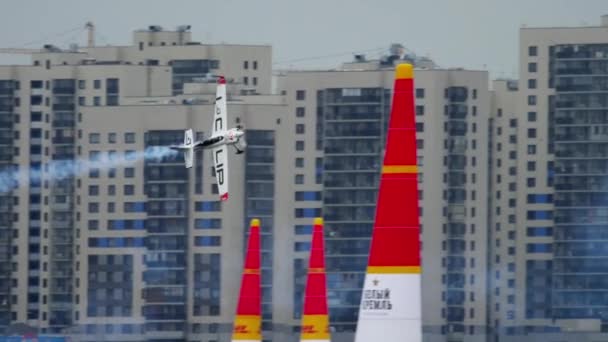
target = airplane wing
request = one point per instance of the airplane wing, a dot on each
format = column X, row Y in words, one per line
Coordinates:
column 220, row 117
column 220, row 162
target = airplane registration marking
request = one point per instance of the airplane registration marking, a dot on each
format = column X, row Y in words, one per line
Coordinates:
column 219, row 167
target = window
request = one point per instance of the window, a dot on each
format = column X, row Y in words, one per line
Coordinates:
column 93, row 225
column 82, row 84
column 308, row 212
column 94, row 173
column 130, row 138
column 532, row 67
column 93, row 190
column 299, row 179
column 254, row 80
column 97, row 101
column 531, row 182
column 419, row 93
column 300, row 112
column 540, row 198
column 129, row 172
column 36, row 100
column 245, row 64
column 308, row 196
column 532, row 51
column 130, row 155
column 208, row 206
column 531, row 116
column 303, row 229
column 36, row 116
column 531, row 149
column 299, row 162
column 301, row 95
column 255, row 65
column 299, row 145
column 531, row 100
column 97, row 84
column 246, row 80
column 299, row 128
column 539, row 248
column 207, row 223
column 129, row 189
column 82, row 101
column 206, row 241
column 419, row 110
column 531, row 132
column 93, row 138
column 419, row 126
column 513, row 123
column 531, row 166
column 532, row 83
column 474, row 94
column 301, row 246
column 112, row 138
column 93, row 207
column 111, row 190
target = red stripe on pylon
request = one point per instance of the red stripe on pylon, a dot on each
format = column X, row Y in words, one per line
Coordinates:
column 315, row 300
column 395, row 238
column 250, row 302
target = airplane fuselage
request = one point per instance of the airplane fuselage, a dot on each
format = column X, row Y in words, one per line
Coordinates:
column 229, row 137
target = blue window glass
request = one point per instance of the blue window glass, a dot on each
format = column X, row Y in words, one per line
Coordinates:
column 301, row 246
column 540, row 215
column 539, row 248
column 308, row 212
column 540, row 231
column 140, row 207
column 540, row 198
column 207, row 241
column 116, row 224
column 303, row 229
column 308, row 195
column 139, row 224
column 207, row 223
column 208, row 206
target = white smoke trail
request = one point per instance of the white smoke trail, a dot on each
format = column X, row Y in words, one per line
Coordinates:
column 58, row 170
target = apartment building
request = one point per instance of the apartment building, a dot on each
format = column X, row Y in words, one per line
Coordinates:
column 140, row 249
column 552, row 242
column 349, row 109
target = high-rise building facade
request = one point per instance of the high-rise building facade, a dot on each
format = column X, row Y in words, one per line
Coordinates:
column 350, row 109
column 549, row 255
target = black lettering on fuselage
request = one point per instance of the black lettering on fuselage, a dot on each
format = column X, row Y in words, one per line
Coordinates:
column 219, row 125
column 219, row 167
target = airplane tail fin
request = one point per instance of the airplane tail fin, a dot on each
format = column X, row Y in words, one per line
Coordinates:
column 189, row 148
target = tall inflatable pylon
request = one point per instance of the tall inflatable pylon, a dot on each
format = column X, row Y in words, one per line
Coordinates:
column 315, row 320
column 390, row 309
column 248, row 322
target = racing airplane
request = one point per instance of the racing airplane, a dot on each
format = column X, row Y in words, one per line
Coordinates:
column 218, row 142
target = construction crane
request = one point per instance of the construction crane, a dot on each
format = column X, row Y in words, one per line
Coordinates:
column 89, row 26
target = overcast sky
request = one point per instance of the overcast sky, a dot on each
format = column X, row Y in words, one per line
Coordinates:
column 475, row 34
